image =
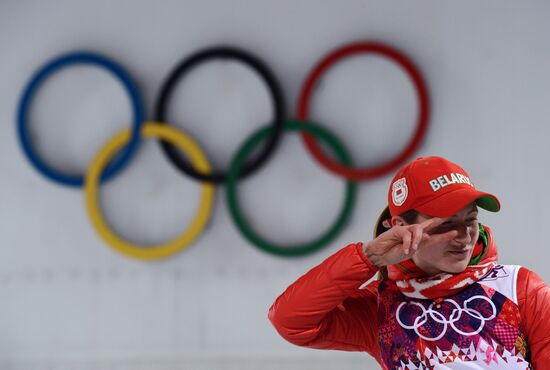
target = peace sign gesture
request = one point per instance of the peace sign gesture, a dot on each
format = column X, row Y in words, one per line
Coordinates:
column 401, row 242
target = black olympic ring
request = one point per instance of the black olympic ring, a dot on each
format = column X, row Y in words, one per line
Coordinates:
column 223, row 52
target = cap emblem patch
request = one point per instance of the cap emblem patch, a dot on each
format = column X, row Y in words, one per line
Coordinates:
column 399, row 191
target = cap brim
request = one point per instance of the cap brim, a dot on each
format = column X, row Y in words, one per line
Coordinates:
column 452, row 202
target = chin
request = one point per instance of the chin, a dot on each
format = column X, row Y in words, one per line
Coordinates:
column 455, row 268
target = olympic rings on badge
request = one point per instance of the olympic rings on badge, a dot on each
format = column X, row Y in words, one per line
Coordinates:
column 237, row 163
column 40, row 77
column 276, row 96
column 456, row 316
column 198, row 159
column 117, row 152
column 304, row 103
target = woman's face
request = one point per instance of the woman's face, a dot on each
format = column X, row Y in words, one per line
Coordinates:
column 451, row 256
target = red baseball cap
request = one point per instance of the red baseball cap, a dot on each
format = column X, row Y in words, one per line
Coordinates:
column 436, row 187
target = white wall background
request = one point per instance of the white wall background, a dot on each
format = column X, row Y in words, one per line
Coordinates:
column 69, row 302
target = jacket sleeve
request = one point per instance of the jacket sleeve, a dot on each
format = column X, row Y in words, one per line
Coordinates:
column 329, row 307
column 534, row 306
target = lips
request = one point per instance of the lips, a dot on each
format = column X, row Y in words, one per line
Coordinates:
column 460, row 253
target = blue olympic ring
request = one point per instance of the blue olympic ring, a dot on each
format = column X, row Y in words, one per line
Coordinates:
column 120, row 161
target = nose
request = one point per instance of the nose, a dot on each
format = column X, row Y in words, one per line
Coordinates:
column 464, row 235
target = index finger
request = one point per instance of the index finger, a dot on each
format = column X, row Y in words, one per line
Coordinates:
column 431, row 223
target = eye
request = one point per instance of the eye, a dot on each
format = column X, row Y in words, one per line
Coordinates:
column 444, row 227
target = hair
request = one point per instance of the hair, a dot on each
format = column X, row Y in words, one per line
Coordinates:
column 410, row 216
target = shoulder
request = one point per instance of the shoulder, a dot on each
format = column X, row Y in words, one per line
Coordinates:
column 514, row 281
column 504, row 279
column 529, row 283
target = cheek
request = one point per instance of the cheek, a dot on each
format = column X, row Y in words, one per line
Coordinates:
column 474, row 234
column 431, row 255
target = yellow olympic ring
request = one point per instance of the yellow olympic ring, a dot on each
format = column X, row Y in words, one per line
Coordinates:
column 197, row 158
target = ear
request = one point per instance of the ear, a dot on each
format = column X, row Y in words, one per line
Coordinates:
column 398, row 221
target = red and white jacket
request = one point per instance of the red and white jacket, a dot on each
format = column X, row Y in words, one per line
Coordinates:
column 500, row 322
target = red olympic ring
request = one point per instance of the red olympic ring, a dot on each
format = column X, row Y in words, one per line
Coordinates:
column 303, row 108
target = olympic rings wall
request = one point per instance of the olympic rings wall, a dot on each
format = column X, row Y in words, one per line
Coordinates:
column 191, row 160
